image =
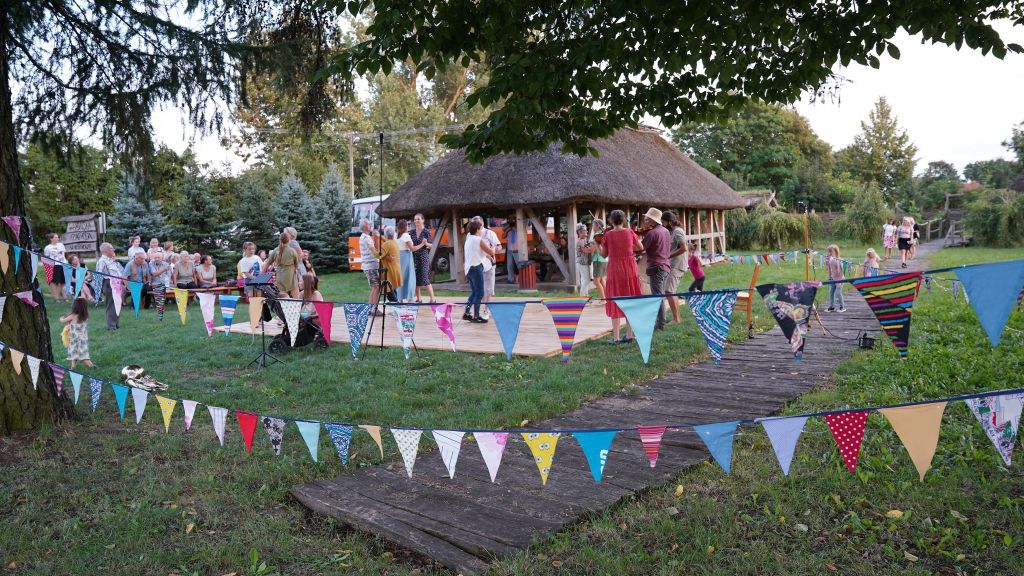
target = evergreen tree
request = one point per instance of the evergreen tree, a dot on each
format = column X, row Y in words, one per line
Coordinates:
column 133, row 217
column 882, row 153
column 255, row 213
column 293, row 204
column 334, row 222
column 198, row 227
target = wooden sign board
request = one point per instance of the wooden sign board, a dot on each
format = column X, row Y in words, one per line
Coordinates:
column 83, row 233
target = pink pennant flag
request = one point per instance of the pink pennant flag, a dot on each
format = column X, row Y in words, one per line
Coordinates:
column 650, row 437
column 848, row 430
column 116, row 292
column 190, row 411
column 443, row 317
column 324, row 311
column 14, row 223
column 27, row 298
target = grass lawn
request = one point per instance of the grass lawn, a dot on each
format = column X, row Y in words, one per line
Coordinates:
column 99, row 495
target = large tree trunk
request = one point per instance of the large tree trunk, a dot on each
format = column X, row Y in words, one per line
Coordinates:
column 24, row 327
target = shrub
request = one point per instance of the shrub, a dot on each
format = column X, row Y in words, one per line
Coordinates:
column 996, row 218
column 865, row 217
column 776, row 229
column 740, row 228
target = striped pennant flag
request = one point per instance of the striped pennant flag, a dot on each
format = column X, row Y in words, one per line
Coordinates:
column 58, row 376
column 892, row 300
column 566, row 312
column 227, row 309
column 650, row 437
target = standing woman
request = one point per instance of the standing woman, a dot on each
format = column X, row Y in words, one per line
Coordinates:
column 916, row 238
column 904, row 238
column 135, row 248
column 390, row 266
column 600, row 268
column 476, row 250
column 421, row 245
column 285, row 260
column 55, row 252
column 619, row 246
column 405, row 262
column 889, row 237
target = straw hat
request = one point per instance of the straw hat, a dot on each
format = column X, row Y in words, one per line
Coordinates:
column 653, row 214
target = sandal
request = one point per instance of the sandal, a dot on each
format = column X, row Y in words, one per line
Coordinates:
column 626, row 340
column 614, row 341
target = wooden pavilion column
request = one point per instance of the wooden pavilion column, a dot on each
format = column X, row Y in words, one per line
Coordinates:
column 542, row 230
column 721, row 227
column 436, row 240
column 458, row 273
column 521, row 244
column 571, row 245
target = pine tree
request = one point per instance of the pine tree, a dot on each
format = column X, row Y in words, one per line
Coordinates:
column 256, row 208
column 293, row 204
column 133, row 217
column 882, row 153
column 334, row 221
column 197, row 220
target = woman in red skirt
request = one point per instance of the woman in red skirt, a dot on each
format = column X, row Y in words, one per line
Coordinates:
column 619, row 245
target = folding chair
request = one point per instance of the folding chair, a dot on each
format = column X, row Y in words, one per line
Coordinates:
column 745, row 301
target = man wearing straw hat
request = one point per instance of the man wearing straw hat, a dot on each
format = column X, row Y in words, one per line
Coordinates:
column 657, row 246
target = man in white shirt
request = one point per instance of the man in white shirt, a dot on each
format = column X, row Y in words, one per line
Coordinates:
column 492, row 240
column 108, row 266
column 368, row 260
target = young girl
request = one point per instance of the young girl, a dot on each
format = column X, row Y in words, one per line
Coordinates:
column 696, row 269
column 871, row 263
column 310, row 294
column 835, row 272
column 889, row 237
column 78, row 323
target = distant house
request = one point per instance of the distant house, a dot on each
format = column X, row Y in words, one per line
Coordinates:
column 752, row 198
column 971, row 185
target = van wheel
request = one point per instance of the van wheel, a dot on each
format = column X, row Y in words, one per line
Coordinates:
column 442, row 264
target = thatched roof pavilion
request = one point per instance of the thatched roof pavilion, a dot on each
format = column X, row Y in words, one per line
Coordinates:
column 635, row 169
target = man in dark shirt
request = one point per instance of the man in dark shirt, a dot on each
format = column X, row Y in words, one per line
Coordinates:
column 657, row 244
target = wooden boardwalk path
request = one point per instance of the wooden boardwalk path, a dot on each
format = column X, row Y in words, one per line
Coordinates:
column 465, row 521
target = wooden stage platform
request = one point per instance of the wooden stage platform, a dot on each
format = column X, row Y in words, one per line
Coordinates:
column 537, row 336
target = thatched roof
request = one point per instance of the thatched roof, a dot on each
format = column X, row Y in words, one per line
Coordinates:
column 635, row 167
column 1018, row 183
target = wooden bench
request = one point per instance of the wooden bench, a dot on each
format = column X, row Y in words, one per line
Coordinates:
column 169, row 294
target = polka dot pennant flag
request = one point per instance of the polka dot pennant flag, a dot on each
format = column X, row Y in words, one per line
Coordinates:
column 292, row 309
column 408, row 444
column 650, row 437
column 565, row 312
column 247, row 425
column 542, row 446
column 166, row 409
column 848, row 430
column 48, row 269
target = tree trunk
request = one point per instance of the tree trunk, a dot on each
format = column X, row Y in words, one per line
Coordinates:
column 24, row 327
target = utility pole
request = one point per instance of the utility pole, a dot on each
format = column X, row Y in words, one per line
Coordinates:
column 352, row 164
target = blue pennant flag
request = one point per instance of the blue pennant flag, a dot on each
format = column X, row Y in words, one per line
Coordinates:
column 992, row 291
column 642, row 314
column 783, row 434
column 17, row 257
column 311, row 434
column 68, row 276
column 121, row 395
column 79, row 280
column 356, row 316
column 341, row 436
column 713, row 314
column 136, row 290
column 76, row 383
column 596, row 446
column 718, row 438
column 95, row 389
column 506, row 317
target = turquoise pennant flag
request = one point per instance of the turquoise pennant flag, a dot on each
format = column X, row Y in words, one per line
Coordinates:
column 642, row 314
column 79, row 280
column 992, row 290
column 507, row 316
column 227, row 312
column 76, row 383
column 17, row 258
column 136, row 290
column 68, row 276
column 311, row 434
column 121, row 395
column 718, row 438
column 596, row 446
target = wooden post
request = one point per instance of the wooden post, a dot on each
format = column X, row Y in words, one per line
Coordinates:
column 521, row 243
column 721, row 226
column 700, row 245
column 436, row 240
column 571, row 237
column 457, row 256
column 552, row 248
column 351, row 165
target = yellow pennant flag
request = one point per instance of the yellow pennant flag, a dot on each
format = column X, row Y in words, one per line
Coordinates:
column 166, row 409
column 4, row 256
column 255, row 312
column 181, row 298
column 542, row 445
column 918, row 428
column 16, row 358
column 373, row 430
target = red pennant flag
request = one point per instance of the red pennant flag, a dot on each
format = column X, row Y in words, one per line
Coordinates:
column 247, row 424
column 848, row 430
column 49, row 272
column 324, row 311
column 650, row 437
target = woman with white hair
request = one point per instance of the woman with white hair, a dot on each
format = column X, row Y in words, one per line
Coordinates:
column 585, row 249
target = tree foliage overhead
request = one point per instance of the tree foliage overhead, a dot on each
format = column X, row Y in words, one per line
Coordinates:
column 571, row 71
column 59, row 186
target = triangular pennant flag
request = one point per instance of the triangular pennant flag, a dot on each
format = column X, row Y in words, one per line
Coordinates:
column 255, row 310
column 650, row 437
column 136, row 290
column 33, row 259
column 48, row 270
column 718, row 438
column 4, row 257
column 160, row 300
column 207, row 303
column 227, row 309
column 17, row 258
column 408, row 444
column 1000, row 418
column 542, row 446
column 291, row 309
column 219, row 417
column 139, row 397
column 310, row 432
column 117, row 294
column 189, row 407
column 16, row 358
column 166, row 409
column 492, row 446
column 247, row 425
column 449, row 443
column 14, row 223
column 341, row 436
column 992, row 290
column 374, row 432
column 58, row 378
column 443, row 318
column 848, row 430
column 783, row 434
column 3, row 302
column 79, row 280
column 356, row 315
column 713, row 314
column 324, row 312
column 642, row 313
column 596, row 446
column 918, row 428
column 95, row 389
column 506, row 317
column 69, row 275
column 27, row 297
column 790, row 305
column 76, row 383
column 405, row 316
column 121, row 395
column 275, row 429
column 33, row 369
column 565, row 313
column 181, row 299
column 891, row 298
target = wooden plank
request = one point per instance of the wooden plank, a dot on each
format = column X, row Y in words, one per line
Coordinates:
column 458, row 257
column 436, row 240
column 552, row 249
column 570, row 230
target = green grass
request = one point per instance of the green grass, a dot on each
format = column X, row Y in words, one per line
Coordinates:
column 101, row 495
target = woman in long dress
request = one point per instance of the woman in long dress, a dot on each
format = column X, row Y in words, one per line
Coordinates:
column 285, row 261
column 405, row 261
column 421, row 245
column 618, row 246
column 390, row 265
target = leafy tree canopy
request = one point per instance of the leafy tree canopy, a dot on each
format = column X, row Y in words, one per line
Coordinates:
column 60, row 185
column 881, row 154
column 995, row 173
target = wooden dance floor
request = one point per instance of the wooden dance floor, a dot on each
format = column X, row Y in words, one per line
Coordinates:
column 537, row 336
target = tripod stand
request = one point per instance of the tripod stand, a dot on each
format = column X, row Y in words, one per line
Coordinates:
column 264, row 357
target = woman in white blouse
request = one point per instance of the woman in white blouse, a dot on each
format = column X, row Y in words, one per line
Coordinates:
column 55, row 252
column 408, row 290
column 477, row 252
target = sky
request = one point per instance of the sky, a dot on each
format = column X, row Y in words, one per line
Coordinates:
column 957, row 106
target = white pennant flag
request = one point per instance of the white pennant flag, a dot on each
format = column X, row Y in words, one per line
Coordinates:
column 190, row 411
column 449, row 443
column 33, row 369
column 292, row 309
column 492, row 448
column 117, row 294
column 408, row 444
column 3, row 300
column 219, row 416
column 139, row 397
column 34, row 259
column 207, row 304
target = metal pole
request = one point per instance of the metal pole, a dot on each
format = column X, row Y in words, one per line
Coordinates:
column 807, row 247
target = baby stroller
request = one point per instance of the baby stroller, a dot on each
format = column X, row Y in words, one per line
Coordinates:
column 309, row 331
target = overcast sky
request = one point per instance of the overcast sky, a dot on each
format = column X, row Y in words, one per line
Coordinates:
column 957, row 106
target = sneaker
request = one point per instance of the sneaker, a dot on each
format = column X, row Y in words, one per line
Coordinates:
column 831, row 309
column 486, row 315
column 478, row 320
column 841, row 310
column 467, row 316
